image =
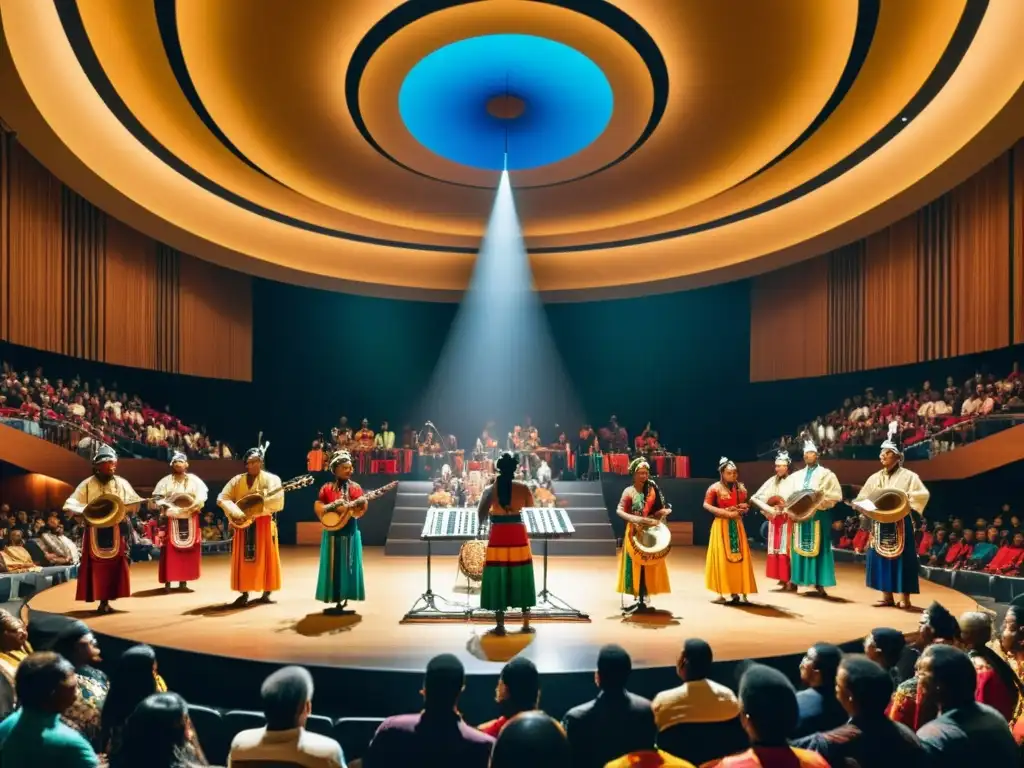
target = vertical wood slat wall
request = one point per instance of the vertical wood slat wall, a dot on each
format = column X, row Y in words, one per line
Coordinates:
column 946, row 281
column 77, row 282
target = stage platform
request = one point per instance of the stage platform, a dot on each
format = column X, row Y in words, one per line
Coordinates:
column 204, row 645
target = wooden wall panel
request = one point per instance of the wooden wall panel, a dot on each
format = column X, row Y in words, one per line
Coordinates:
column 76, row 282
column 891, row 308
column 846, row 308
column 789, row 322
column 1016, row 186
column 35, row 289
column 215, row 321
column 946, row 281
column 979, row 269
column 130, row 321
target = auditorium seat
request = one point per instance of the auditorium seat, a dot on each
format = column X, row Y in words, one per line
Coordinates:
column 320, row 724
column 213, row 738
column 354, row 734
column 237, row 720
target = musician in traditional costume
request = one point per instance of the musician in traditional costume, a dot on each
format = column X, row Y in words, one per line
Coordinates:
column 103, row 572
column 770, row 500
column 183, row 545
column 811, row 561
column 507, row 580
column 728, row 568
column 641, row 505
column 364, row 437
column 385, row 439
column 341, row 551
column 255, row 556
column 892, row 563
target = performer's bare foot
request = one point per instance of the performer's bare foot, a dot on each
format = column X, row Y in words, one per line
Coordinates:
column 265, row 599
column 820, row 591
column 241, row 601
column 104, row 607
column 783, row 586
column 906, row 604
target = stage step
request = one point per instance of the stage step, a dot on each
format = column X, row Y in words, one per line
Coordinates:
column 582, row 500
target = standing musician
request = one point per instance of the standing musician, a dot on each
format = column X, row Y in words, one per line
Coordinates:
column 385, row 439
column 183, row 545
column 341, row 551
column 103, row 573
column 892, row 556
column 255, row 557
column 642, row 504
column 728, row 567
column 507, row 580
column 811, row 561
column 769, row 499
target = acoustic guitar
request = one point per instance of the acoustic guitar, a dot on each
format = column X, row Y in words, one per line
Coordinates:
column 251, row 505
column 336, row 515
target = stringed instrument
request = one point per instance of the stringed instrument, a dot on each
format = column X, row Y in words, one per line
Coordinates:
column 251, row 504
column 336, row 515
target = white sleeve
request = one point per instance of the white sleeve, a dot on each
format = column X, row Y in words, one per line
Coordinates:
column 224, row 498
column 273, row 503
column 830, row 487
column 76, row 501
column 202, row 493
column 918, row 494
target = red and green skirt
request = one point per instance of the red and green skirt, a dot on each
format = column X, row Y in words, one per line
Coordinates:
column 508, row 571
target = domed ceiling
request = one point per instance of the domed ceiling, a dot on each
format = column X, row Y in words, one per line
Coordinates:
column 651, row 144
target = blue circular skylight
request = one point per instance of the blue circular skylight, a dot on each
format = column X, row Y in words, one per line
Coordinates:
column 453, row 101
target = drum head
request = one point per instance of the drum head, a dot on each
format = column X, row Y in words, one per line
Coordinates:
column 472, row 556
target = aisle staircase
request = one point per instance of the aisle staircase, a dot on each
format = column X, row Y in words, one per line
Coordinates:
column 582, row 500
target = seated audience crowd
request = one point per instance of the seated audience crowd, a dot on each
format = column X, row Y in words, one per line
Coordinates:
column 926, row 415
column 951, row 696
column 32, row 540
column 994, row 546
column 85, row 413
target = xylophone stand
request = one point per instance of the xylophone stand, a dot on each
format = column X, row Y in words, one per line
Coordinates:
column 550, row 604
column 426, row 604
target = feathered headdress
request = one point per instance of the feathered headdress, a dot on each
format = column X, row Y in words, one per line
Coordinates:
column 890, row 444
column 259, row 451
column 809, row 446
column 782, row 457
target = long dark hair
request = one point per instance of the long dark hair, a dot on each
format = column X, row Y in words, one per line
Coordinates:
column 131, row 681
column 507, row 465
column 155, row 734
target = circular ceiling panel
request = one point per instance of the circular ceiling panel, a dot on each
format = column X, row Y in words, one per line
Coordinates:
column 505, row 102
column 357, row 145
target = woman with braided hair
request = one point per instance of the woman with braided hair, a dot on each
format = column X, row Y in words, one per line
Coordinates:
column 508, row 570
column 642, row 504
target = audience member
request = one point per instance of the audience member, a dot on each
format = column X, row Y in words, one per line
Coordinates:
column 937, row 626
column 769, row 714
column 1011, row 644
column 77, row 644
column 985, row 547
column 819, row 710
column 34, row 736
column 700, row 719
column 531, row 739
column 437, row 736
column 888, row 648
column 158, row 734
column 959, row 549
column 14, row 649
column 863, row 688
column 518, row 691
column 964, row 729
column 936, row 554
column 132, row 680
column 998, row 685
column 15, row 557
column 615, row 723
column 1009, row 559
column 287, row 703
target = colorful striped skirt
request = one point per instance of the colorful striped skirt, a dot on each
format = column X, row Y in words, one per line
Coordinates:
column 508, row 571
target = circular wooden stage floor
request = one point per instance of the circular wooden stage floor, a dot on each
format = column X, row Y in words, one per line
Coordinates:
column 293, row 630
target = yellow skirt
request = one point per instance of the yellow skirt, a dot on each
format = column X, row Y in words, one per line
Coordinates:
column 655, row 575
column 729, row 572
column 256, row 568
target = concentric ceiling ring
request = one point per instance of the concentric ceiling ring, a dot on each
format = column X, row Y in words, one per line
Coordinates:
column 505, row 102
column 609, row 46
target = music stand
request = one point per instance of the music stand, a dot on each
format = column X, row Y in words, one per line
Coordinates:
column 429, row 599
column 550, row 604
